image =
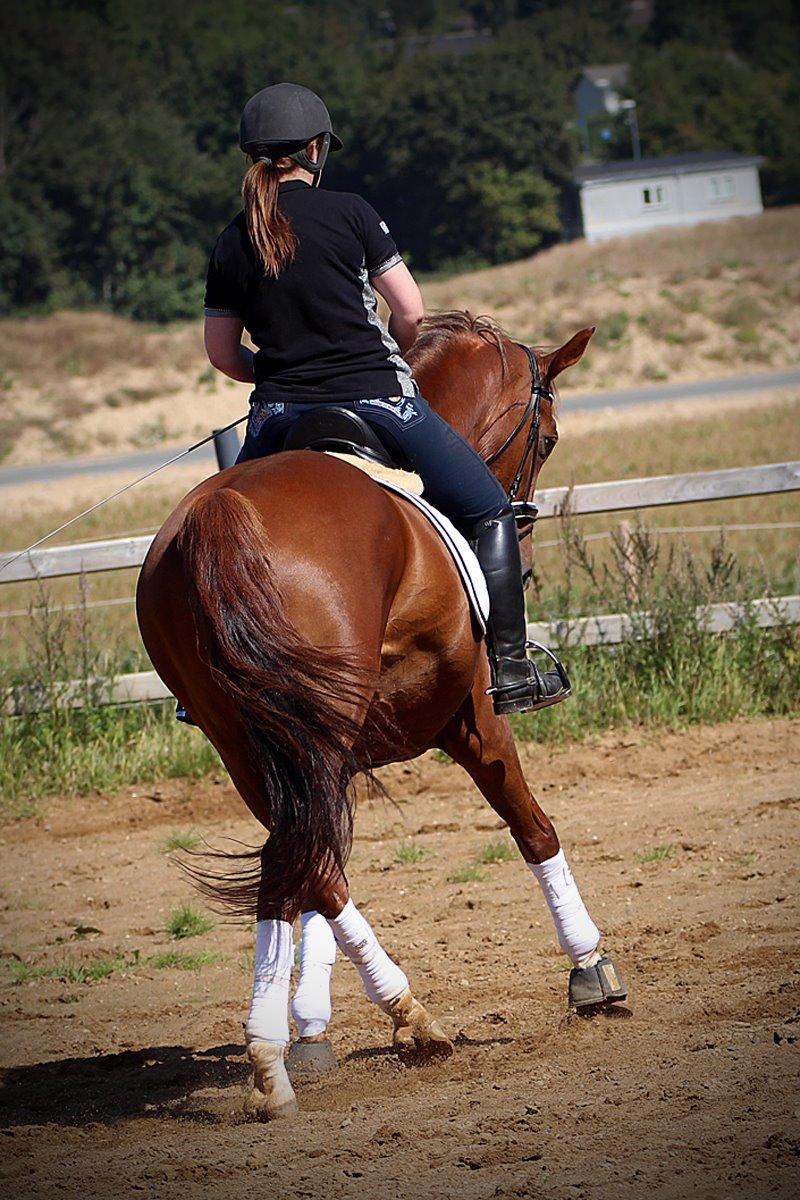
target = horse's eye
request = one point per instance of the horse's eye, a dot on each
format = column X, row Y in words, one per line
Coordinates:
column 548, row 446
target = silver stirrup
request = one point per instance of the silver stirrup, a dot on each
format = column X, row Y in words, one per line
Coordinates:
column 557, row 663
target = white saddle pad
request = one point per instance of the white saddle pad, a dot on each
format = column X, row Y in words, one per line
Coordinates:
column 459, row 549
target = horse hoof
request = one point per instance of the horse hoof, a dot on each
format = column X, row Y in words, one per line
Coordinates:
column 307, row 1062
column 258, row 1107
column 272, row 1096
column 596, row 986
column 417, row 1035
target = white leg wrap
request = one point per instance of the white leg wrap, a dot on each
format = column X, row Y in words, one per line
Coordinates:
column 383, row 980
column 578, row 936
column 269, row 1010
column 311, row 1006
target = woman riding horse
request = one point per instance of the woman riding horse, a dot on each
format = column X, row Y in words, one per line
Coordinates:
column 310, row 618
column 296, row 269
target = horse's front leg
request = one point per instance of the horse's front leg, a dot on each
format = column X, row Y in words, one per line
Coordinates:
column 416, row 1034
column 311, row 1057
column 482, row 743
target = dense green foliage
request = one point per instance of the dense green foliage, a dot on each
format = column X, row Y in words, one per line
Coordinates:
column 118, row 120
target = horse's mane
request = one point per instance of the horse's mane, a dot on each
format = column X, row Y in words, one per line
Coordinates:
column 438, row 330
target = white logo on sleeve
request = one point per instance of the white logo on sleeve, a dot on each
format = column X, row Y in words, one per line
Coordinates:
column 384, row 227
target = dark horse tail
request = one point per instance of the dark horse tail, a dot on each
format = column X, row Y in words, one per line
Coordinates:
column 289, row 695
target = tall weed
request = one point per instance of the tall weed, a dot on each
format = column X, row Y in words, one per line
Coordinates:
column 672, row 670
column 53, row 748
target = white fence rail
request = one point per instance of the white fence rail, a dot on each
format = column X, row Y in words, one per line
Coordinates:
column 615, row 496
column 607, row 630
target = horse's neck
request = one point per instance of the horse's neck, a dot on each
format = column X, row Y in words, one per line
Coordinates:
column 463, row 389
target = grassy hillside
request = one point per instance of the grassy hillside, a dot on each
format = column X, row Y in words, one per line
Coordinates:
column 718, row 299
column 715, row 300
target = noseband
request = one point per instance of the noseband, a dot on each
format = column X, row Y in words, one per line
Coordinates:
column 525, row 510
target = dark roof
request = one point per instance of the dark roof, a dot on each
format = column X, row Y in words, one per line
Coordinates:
column 673, row 164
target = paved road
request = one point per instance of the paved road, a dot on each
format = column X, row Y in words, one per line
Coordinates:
column 136, row 463
column 699, row 390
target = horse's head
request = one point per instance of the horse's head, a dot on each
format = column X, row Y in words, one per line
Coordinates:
column 498, row 393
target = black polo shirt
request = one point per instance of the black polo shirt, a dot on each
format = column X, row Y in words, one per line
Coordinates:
column 316, row 326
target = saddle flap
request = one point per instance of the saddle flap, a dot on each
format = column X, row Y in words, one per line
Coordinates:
column 337, row 429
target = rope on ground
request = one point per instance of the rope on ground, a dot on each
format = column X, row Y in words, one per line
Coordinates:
column 119, row 492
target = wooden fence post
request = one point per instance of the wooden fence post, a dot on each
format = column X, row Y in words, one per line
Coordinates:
column 627, row 549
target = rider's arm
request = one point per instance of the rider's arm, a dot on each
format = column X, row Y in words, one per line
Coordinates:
column 399, row 289
column 223, row 338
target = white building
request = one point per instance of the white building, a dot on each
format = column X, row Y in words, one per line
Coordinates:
column 632, row 196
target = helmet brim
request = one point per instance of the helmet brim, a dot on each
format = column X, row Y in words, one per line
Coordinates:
column 285, row 148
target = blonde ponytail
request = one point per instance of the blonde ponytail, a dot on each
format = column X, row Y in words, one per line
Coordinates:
column 274, row 240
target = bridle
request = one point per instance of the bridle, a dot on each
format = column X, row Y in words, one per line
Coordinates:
column 525, row 510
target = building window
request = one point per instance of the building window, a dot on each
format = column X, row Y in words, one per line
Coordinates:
column 654, row 195
column 721, row 188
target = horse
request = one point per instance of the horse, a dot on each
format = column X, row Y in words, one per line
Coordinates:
column 316, row 629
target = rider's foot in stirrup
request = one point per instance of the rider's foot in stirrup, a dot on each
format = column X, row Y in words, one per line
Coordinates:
column 519, row 686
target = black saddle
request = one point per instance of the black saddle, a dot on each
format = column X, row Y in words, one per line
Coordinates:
column 338, row 429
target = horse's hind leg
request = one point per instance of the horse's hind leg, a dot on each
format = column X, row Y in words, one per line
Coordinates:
column 416, row 1034
column 267, row 1029
column 484, row 746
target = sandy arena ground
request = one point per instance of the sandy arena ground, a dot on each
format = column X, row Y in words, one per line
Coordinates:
column 133, row 1085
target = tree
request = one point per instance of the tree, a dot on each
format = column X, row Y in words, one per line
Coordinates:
column 693, row 98
column 458, row 142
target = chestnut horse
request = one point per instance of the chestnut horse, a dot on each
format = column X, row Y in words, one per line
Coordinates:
column 315, row 628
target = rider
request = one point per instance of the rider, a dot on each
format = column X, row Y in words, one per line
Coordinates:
column 296, row 269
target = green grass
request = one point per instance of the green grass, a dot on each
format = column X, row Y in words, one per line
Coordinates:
column 180, row 840
column 67, row 971
column 612, row 329
column 96, row 747
column 182, row 961
column 186, row 922
column 673, row 672
column 471, row 873
column 657, row 854
column 498, row 851
column 408, row 853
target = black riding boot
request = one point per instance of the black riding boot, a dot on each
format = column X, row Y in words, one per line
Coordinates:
column 517, row 683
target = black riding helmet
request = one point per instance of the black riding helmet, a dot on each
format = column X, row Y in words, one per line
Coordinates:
column 281, row 120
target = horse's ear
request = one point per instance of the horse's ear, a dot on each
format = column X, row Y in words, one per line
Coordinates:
column 567, row 355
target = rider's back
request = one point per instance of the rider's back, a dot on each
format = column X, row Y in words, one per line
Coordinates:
column 315, row 323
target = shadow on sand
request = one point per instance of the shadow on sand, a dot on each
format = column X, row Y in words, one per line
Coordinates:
column 111, row 1087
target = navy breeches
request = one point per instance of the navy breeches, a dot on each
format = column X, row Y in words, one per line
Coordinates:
column 455, row 477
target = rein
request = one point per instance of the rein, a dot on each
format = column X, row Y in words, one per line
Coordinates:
column 526, row 510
